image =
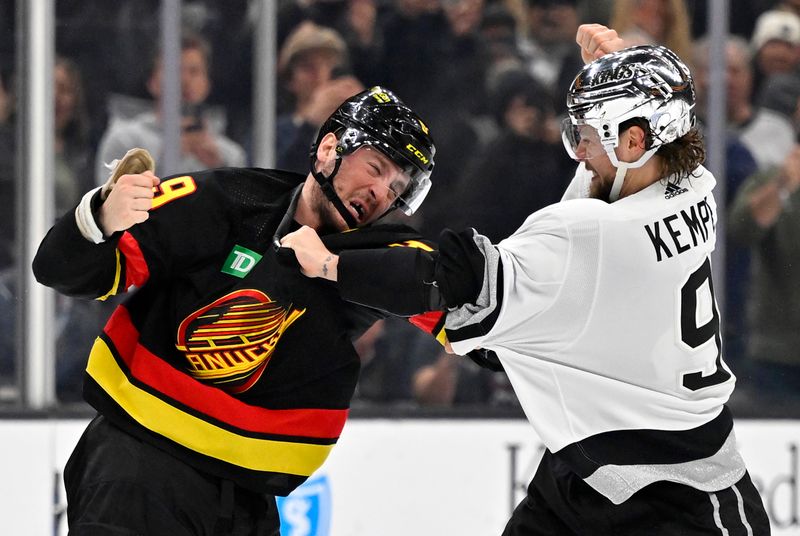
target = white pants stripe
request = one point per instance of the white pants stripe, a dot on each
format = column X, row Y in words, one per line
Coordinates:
column 717, row 518
column 740, row 508
column 740, row 504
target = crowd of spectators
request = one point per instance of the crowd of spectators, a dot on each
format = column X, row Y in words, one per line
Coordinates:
column 490, row 76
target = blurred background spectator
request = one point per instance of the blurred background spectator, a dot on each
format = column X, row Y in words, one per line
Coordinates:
column 402, row 366
column 312, row 63
column 73, row 152
column 738, row 81
column 739, row 164
column 522, row 169
column 766, row 218
column 489, row 75
column 355, row 20
column 774, row 120
column 654, row 22
column 452, row 95
column 549, row 45
column 203, row 142
column 77, row 321
column 775, row 45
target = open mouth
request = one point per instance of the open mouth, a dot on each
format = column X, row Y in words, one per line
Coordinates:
column 358, row 210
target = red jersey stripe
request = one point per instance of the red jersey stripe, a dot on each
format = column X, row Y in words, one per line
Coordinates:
column 428, row 322
column 136, row 270
column 156, row 373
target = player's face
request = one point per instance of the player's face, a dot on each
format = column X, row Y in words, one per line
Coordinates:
column 583, row 144
column 603, row 173
column 368, row 183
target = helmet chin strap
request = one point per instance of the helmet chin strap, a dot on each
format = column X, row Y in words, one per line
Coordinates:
column 616, row 186
column 326, row 184
column 622, row 170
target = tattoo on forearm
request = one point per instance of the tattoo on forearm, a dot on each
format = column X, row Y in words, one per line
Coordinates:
column 328, row 259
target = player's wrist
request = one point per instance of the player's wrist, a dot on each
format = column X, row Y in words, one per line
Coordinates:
column 329, row 267
column 87, row 216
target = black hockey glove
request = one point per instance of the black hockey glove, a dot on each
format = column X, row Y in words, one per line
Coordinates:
column 459, row 268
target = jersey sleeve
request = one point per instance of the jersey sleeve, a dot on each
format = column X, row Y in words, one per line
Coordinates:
column 522, row 278
column 397, row 279
column 187, row 222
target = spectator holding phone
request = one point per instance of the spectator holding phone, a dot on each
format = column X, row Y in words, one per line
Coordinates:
column 203, row 144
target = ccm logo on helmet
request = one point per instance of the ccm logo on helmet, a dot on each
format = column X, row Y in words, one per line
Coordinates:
column 416, row 152
column 381, row 96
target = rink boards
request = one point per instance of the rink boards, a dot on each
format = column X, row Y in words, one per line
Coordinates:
column 387, row 477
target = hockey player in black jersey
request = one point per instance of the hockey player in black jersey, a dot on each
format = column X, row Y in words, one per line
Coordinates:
column 225, row 379
column 601, row 310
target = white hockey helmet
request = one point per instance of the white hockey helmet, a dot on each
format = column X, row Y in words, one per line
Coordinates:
column 649, row 82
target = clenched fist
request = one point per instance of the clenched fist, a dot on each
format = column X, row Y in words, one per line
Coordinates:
column 597, row 40
column 314, row 258
column 128, row 203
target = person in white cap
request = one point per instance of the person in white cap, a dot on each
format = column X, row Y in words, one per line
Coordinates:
column 776, row 43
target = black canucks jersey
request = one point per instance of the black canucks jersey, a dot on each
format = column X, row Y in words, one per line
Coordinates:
column 225, row 355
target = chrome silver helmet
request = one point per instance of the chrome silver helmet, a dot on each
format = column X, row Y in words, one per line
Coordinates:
column 650, row 82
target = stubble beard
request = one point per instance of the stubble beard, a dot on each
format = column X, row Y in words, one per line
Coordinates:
column 599, row 188
column 330, row 221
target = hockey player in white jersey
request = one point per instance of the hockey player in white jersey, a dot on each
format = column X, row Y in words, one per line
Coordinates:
column 601, row 310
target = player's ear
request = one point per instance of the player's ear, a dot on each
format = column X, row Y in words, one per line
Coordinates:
column 634, row 142
column 326, row 147
column 637, row 138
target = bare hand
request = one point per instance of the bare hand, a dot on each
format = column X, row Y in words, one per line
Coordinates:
column 314, row 258
column 597, row 40
column 202, row 145
column 128, row 203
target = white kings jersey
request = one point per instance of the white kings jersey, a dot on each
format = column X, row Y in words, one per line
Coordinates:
column 603, row 316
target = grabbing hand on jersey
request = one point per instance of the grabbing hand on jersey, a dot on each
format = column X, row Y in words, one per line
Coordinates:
column 128, row 203
column 314, row 258
column 597, row 40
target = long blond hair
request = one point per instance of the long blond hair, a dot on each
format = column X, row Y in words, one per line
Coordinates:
column 677, row 33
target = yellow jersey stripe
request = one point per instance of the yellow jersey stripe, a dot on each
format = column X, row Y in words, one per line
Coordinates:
column 197, row 434
column 117, row 275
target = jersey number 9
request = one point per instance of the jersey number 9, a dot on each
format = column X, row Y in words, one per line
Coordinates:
column 695, row 336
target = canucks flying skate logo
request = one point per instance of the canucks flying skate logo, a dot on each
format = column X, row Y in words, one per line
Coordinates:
column 230, row 342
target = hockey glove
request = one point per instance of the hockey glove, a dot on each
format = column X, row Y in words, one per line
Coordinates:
column 459, row 268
